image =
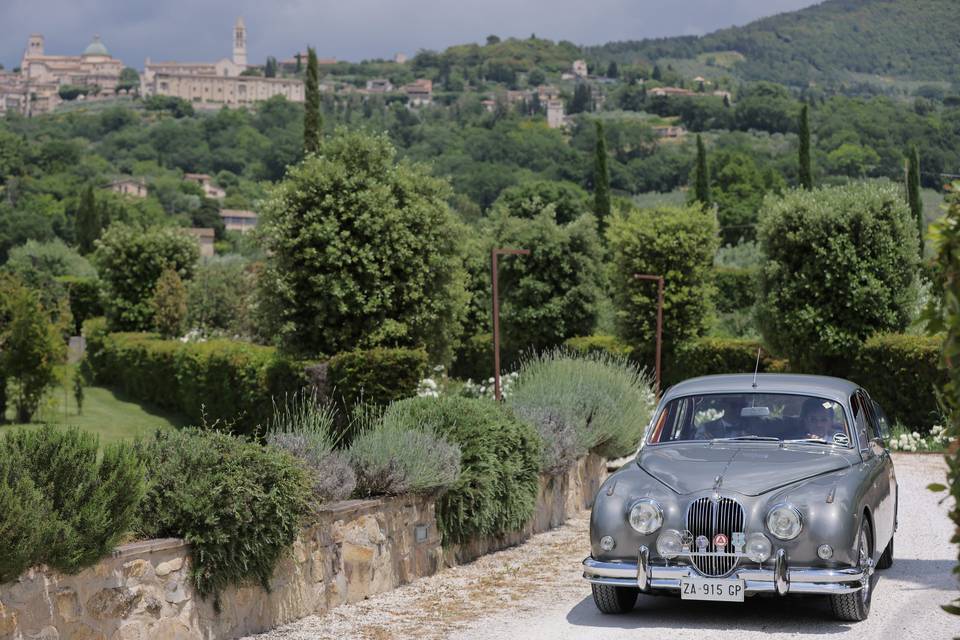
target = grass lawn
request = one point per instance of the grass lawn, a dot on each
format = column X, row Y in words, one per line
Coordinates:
column 106, row 412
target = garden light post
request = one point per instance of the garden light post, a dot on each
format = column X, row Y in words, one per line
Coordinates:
column 496, row 312
column 659, row 281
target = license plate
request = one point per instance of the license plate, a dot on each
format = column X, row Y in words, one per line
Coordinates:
column 711, row 589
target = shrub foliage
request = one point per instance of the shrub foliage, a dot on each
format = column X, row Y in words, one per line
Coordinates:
column 497, row 488
column 62, row 504
column 580, row 403
column 238, row 504
column 375, row 376
column 841, row 265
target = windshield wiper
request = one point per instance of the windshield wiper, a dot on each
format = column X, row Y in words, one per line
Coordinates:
column 809, row 441
column 761, row 438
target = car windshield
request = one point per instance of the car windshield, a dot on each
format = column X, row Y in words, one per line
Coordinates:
column 752, row 416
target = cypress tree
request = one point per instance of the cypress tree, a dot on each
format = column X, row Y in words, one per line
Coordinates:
column 701, row 189
column 913, row 192
column 806, row 171
column 601, row 180
column 88, row 221
column 312, row 120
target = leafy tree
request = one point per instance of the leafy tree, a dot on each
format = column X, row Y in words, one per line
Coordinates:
column 312, row 120
column 169, row 304
column 701, row 184
column 536, row 77
column 601, row 179
column 678, row 243
column 913, row 192
column 768, row 107
column 270, row 68
column 826, row 252
column 218, row 296
column 582, row 100
column 30, row 346
column 806, row 171
column 130, row 261
column 854, row 160
column 129, row 79
column 657, row 73
column 528, row 199
column 613, row 71
column 363, row 252
column 738, row 190
column 41, row 266
column 88, row 223
column 551, row 294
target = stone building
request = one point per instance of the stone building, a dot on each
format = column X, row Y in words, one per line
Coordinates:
column 214, row 84
column 238, row 219
column 205, row 240
column 136, row 187
column 36, row 88
column 206, row 183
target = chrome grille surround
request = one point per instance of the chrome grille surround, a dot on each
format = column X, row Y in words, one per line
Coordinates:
column 708, row 517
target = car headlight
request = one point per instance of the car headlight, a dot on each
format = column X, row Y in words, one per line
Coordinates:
column 646, row 516
column 784, row 522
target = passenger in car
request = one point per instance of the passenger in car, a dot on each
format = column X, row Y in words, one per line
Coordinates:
column 817, row 421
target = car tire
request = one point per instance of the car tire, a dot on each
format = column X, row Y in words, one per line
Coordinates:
column 855, row 607
column 886, row 560
column 611, row 599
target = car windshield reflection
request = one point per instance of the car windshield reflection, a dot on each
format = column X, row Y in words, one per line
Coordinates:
column 760, row 417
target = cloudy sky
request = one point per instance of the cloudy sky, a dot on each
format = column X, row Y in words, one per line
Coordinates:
column 196, row 30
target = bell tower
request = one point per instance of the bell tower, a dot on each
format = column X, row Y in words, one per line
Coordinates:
column 240, row 43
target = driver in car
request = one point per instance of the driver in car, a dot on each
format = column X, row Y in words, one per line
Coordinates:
column 817, row 421
column 729, row 424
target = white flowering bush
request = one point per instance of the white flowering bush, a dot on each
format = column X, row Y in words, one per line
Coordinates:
column 911, row 441
column 485, row 388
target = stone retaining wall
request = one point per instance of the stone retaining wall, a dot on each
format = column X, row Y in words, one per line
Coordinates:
column 355, row 549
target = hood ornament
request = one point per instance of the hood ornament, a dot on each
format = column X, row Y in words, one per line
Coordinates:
column 716, row 485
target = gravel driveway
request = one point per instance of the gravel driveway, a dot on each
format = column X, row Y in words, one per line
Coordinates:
column 535, row 591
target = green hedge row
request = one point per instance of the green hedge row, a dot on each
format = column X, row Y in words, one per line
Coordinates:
column 223, row 381
column 901, row 373
column 708, row 356
column 736, row 288
column 376, row 376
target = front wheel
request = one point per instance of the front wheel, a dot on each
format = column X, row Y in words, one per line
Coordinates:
column 611, row 599
column 855, row 607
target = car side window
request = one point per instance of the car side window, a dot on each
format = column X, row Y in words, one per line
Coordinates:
column 860, row 419
column 883, row 424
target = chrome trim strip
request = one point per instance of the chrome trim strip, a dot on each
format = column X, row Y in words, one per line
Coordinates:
column 643, row 567
column 798, row 580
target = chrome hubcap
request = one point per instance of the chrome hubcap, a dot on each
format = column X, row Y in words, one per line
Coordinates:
column 866, row 565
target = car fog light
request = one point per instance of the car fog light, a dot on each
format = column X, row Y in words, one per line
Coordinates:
column 669, row 544
column 758, row 547
column 825, row 551
column 646, row 516
column 607, row 543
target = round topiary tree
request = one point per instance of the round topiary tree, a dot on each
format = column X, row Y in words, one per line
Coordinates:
column 840, row 265
column 678, row 243
column 363, row 252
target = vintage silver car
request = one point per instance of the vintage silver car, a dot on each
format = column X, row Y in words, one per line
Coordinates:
column 745, row 485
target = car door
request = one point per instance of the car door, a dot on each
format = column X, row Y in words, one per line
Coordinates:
column 877, row 413
column 881, row 493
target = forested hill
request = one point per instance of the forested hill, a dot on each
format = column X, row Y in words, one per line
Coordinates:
column 831, row 41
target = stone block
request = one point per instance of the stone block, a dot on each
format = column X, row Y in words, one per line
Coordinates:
column 175, row 592
column 68, row 604
column 164, row 568
column 112, row 603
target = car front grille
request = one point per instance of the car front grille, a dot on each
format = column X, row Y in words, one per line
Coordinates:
column 708, row 517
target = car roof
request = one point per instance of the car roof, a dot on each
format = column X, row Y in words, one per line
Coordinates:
column 822, row 386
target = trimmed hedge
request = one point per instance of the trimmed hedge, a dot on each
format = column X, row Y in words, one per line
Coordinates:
column 599, row 344
column 901, row 373
column 736, row 288
column 219, row 381
column 375, row 376
column 709, row 356
column 500, row 464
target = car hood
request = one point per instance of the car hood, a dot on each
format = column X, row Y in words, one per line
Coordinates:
column 747, row 468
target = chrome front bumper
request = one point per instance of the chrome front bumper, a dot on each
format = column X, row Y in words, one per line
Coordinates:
column 780, row 579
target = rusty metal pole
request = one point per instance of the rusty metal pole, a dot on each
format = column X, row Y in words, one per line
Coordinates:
column 659, row 281
column 496, row 312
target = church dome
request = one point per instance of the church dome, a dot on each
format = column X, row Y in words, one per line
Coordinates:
column 96, row 48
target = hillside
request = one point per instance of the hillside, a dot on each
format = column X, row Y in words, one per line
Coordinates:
column 829, row 42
